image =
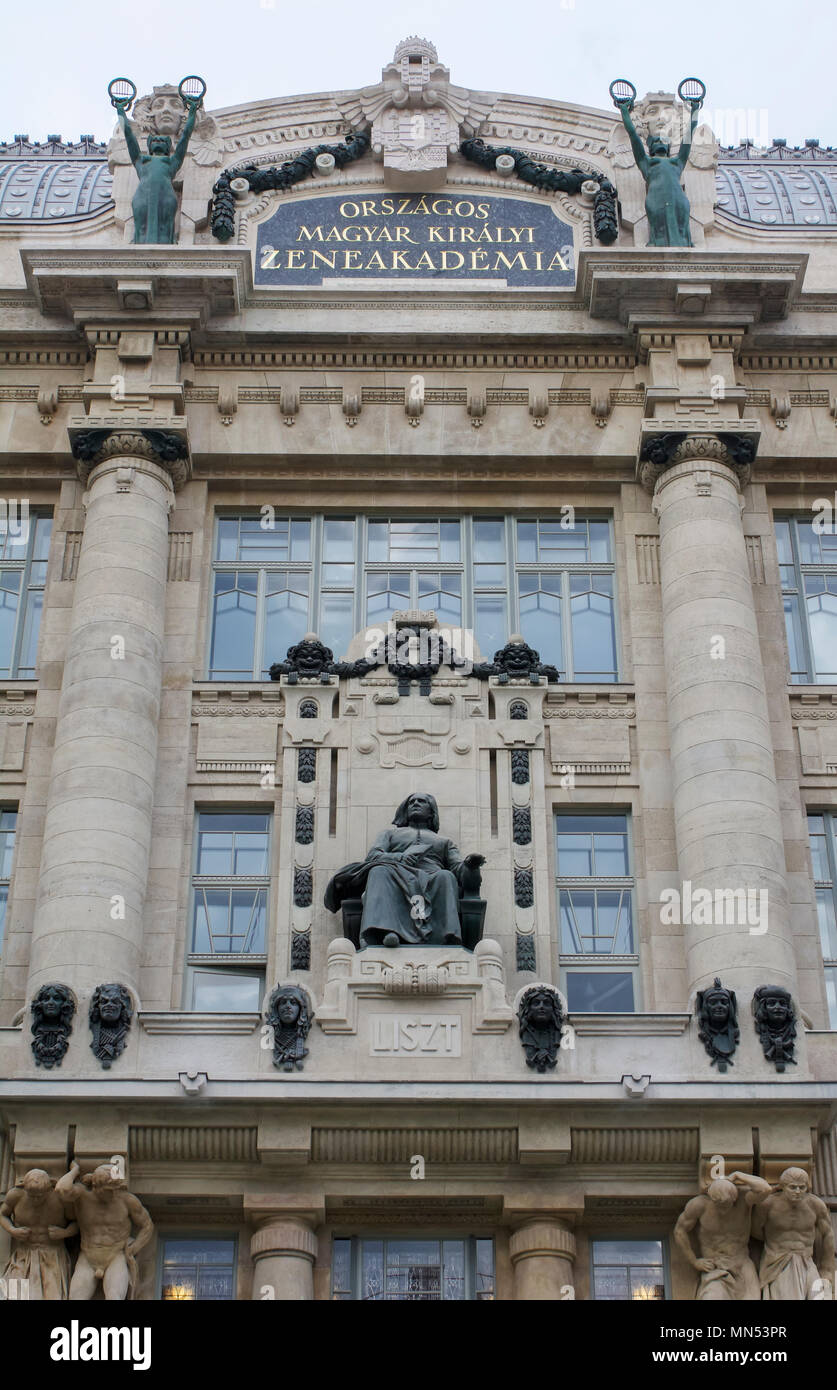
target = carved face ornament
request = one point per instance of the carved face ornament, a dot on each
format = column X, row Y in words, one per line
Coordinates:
column 52, row 1002
column 166, row 113
column 288, row 1010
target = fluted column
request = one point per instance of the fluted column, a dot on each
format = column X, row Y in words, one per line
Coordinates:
column 94, row 861
column 542, row 1254
column 283, row 1250
column 726, row 803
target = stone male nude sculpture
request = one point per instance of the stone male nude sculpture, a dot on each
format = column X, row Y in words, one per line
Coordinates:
column 412, row 877
column 721, row 1219
column 33, row 1214
column 795, row 1226
column 106, row 1216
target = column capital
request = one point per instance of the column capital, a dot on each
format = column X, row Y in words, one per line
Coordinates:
column 542, row 1237
column 169, row 449
column 661, row 452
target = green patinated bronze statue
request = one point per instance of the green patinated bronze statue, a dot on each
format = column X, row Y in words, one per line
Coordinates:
column 666, row 204
column 155, row 202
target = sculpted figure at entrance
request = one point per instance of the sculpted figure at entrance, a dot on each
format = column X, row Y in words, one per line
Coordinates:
column 154, row 204
column 411, row 881
column 114, row 1227
column 666, row 205
column 720, row 1219
column 34, row 1216
column 797, row 1262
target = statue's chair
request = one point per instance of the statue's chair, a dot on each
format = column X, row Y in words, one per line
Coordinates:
column 471, row 918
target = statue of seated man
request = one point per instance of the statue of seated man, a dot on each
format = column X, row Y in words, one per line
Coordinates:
column 411, row 881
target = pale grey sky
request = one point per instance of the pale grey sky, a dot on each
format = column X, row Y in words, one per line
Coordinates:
column 769, row 58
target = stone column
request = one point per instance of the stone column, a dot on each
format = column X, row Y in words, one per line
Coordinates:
column 726, row 804
column 542, row 1254
column 94, row 861
column 283, row 1250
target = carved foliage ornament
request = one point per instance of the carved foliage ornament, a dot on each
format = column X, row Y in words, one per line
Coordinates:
column 261, row 180
column 52, row 1022
column 605, row 220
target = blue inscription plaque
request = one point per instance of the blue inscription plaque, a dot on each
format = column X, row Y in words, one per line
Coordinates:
column 415, row 236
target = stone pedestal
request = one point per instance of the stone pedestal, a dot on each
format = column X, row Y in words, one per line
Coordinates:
column 726, row 803
column 94, row 863
column 542, row 1254
column 283, row 1250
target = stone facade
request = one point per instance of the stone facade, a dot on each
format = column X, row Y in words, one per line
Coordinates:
column 687, row 398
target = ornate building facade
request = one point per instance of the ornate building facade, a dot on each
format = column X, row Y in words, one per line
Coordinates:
column 411, row 484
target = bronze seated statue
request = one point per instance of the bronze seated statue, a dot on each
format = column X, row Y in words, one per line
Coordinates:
column 413, row 888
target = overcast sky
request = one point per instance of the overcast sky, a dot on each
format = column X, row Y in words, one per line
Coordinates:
column 769, row 58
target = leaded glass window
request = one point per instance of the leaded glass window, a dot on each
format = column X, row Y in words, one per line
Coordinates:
column 406, row 1270
column 628, row 1270
column 198, row 1269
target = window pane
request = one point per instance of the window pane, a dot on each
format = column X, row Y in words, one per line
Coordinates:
column 827, row 922
column 234, row 625
column 611, row 855
column 540, row 623
column 31, row 628
column 198, row 1269
column 822, row 622
column 628, row 1269
column 575, row 855
column 4, row 902
column 338, row 539
column 286, row 616
column 808, row 542
column 341, row 1269
column 600, row 991
column 450, row 544
column 793, row 629
column 527, row 542
column 594, row 638
column 336, row 627
column 10, row 581
column 300, row 539
column 819, row 848
column 831, row 995
column 490, row 623
column 387, row 594
column 490, row 539
column 216, row 991
column 372, row 1270
column 577, row 912
column 214, row 852
column 783, row 543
